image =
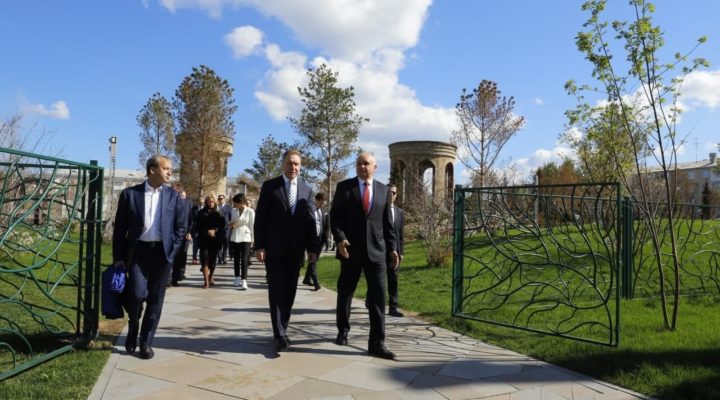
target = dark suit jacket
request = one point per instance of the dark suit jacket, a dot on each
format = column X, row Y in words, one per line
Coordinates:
column 129, row 222
column 398, row 226
column 324, row 229
column 285, row 236
column 372, row 234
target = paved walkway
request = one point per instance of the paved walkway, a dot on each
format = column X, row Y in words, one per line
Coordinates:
column 217, row 344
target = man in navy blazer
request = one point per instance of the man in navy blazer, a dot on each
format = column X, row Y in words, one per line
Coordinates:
column 149, row 228
column 284, row 229
column 362, row 227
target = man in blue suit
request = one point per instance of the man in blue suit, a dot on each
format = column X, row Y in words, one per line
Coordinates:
column 149, row 228
column 361, row 222
column 284, row 229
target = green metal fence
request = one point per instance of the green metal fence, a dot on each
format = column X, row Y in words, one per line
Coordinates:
column 50, row 249
column 697, row 233
column 540, row 258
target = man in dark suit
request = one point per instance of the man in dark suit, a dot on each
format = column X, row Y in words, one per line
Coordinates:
column 194, row 212
column 226, row 211
column 149, row 228
column 284, row 229
column 180, row 262
column 398, row 221
column 322, row 225
column 362, row 228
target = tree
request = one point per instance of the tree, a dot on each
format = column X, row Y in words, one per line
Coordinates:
column 268, row 163
column 328, row 125
column 645, row 103
column 710, row 201
column 604, row 149
column 486, row 124
column 157, row 126
column 204, row 106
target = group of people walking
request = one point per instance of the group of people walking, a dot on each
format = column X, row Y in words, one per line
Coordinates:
column 154, row 225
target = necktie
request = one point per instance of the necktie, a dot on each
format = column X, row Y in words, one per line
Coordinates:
column 366, row 199
column 292, row 194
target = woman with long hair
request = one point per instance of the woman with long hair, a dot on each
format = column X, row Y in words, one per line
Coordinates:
column 210, row 233
column 242, row 219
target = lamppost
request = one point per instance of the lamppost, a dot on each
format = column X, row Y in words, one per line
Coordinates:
column 111, row 192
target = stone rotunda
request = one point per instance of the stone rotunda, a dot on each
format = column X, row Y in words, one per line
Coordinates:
column 422, row 163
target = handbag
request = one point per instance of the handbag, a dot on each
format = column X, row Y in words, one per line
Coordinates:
column 113, row 284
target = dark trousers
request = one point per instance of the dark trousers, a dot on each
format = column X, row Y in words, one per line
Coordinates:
column 223, row 250
column 350, row 271
column 178, row 268
column 241, row 257
column 150, row 263
column 311, row 270
column 196, row 247
column 392, row 284
column 282, row 286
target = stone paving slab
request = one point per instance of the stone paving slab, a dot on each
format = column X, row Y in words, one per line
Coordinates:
column 217, row 343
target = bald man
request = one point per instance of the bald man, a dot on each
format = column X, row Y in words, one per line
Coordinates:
column 362, row 227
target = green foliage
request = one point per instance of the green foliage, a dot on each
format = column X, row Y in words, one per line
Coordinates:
column 157, row 126
column 660, row 363
column 328, row 124
column 639, row 117
column 268, row 163
column 486, row 123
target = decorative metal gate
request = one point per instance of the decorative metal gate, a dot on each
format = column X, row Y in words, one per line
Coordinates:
column 540, row 258
column 50, row 243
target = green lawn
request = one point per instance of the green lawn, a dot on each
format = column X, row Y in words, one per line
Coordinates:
column 39, row 300
column 649, row 359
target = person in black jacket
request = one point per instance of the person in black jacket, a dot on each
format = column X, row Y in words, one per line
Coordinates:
column 211, row 234
column 180, row 262
column 398, row 220
column 284, row 229
column 362, row 227
column 322, row 225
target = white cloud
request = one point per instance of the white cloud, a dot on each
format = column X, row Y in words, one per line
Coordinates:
column 538, row 101
column 711, row 146
column 57, row 110
column 243, row 40
column 702, row 88
column 344, row 29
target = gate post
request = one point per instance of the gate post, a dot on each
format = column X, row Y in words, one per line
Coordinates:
column 91, row 309
column 458, row 246
column 626, row 249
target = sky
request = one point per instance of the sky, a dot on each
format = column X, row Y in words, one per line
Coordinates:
column 78, row 72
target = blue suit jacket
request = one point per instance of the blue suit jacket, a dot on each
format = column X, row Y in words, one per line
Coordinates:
column 129, row 222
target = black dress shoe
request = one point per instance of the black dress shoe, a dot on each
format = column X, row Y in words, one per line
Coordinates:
column 316, row 288
column 146, row 352
column 131, row 339
column 341, row 339
column 381, row 351
column 395, row 313
column 130, row 344
column 282, row 343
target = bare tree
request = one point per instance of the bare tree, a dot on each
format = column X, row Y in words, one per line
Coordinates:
column 486, row 124
column 157, row 126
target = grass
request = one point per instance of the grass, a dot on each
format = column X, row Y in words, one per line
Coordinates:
column 68, row 376
column 684, row 364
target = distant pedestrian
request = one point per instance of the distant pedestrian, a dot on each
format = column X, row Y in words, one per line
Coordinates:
column 242, row 220
column 211, row 234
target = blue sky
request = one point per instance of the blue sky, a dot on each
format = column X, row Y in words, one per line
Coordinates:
column 83, row 69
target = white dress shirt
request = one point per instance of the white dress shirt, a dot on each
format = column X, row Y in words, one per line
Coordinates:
column 151, row 217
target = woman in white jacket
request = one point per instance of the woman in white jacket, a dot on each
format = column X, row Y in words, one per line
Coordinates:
column 242, row 219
